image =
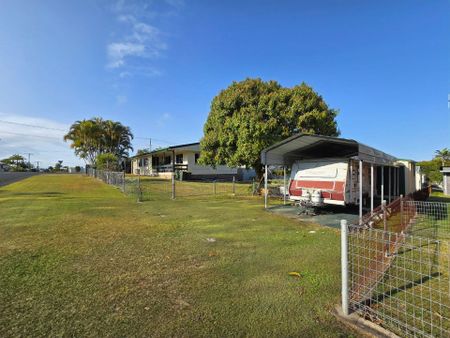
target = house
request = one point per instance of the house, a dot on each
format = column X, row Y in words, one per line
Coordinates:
column 446, row 180
column 183, row 160
column 4, row 167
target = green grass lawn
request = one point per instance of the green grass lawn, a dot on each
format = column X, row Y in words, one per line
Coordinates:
column 78, row 258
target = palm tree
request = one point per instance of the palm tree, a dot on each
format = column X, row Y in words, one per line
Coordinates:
column 443, row 155
column 96, row 136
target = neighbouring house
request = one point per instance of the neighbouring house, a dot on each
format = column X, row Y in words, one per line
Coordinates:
column 183, row 160
column 446, row 180
column 4, row 167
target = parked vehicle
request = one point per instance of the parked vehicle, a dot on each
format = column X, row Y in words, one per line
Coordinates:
column 326, row 181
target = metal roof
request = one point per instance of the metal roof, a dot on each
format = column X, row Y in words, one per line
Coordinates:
column 305, row 146
column 188, row 146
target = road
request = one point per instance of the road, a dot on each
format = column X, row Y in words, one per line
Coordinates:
column 11, row 177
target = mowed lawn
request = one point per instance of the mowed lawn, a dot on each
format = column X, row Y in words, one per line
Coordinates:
column 78, row 258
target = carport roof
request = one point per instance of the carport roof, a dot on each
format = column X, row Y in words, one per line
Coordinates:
column 305, row 146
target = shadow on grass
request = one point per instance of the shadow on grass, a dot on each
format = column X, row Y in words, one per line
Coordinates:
column 392, row 292
column 40, row 193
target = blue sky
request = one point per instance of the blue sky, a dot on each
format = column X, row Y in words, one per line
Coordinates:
column 156, row 65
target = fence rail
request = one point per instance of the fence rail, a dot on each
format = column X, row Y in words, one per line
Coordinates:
column 396, row 271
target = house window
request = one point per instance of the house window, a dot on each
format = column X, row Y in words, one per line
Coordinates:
column 167, row 160
column 155, row 161
column 145, row 162
column 197, row 156
column 179, row 159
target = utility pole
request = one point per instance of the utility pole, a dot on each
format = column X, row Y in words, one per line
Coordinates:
column 29, row 160
column 150, row 144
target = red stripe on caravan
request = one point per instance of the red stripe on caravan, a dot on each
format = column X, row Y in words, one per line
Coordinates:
column 293, row 191
column 328, row 185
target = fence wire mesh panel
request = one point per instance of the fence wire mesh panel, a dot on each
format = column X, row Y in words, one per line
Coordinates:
column 399, row 278
column 155, row 188
column 115, row 178
column 429, row 219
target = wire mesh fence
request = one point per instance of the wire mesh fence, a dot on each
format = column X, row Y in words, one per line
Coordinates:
column 152, row 188
column 398, row 275
column 148, row 188
column 429, row 219
column 115, row 178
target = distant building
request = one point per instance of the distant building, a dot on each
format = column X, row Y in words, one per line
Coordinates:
column 446, row 180
column 184, row 160
column 4, row 167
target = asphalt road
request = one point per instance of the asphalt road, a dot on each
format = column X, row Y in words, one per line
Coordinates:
column 11, row 177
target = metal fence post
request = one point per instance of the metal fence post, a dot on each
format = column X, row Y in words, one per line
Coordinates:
column 284, row 184
column 253, row 186
column 344, row 266
column 401, row 212
column 266, row 193
column 123, row 182
column 139, row 187
column 173, row 185
column 214, row 187
column 386, row 244
column 234, row 186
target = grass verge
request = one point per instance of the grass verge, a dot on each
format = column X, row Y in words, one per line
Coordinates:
column 78, row 258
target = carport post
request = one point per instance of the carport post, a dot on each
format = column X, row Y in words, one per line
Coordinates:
column 382, row 182
column 395, row 182
column 284, row 184
column 344, row 266
column 351, row 181
column 360, row 190
column 371, row 188
column 389, row 187
column 265, row 187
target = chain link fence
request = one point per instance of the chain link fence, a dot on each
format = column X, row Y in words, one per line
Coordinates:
column 115, row 178
column 396, row 267
column 147, row 188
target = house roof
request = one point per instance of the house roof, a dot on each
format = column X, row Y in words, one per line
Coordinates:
column 445, row 170
column 305, row 146
column 188, row 146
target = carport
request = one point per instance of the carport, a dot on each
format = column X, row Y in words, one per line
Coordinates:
column 307, row 147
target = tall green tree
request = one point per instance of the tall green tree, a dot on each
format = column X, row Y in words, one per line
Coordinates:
column 251, row 115
column 431, row 169
column 93, row 137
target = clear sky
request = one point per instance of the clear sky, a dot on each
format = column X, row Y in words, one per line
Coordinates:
column 156, row 65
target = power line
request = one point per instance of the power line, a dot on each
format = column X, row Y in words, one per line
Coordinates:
column 28, row 135
column 31, row 125
column 64, row 130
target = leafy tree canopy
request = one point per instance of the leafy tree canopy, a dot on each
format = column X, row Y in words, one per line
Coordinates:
column 432, row 169
column 107, row 161
column 253, row 114
column 16, row 162
column 96, row 136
